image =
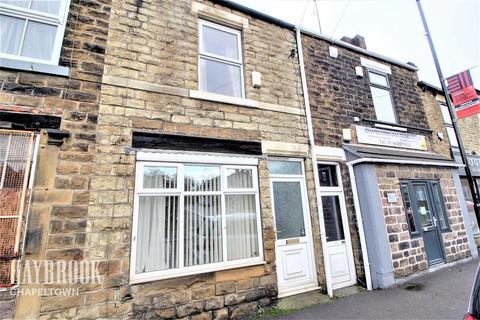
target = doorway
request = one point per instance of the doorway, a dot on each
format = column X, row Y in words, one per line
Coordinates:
column 426, row 216
column 294, row 243
column 339, row 245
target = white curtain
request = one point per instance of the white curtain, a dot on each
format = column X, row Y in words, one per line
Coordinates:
column 160, row 177
column 48, row 6
column 242, row 239
column 203, row 230
column 39, row 40
column 239, row 178
column 157, row 235
column 11, row 30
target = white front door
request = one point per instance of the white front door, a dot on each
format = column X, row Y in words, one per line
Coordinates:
column 339, row 247
column 294, row 248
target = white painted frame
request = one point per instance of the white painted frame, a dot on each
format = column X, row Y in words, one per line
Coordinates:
column 60, row 21
column 209, row 56
column 382, row 87
column 339, row 191
column 181, row 270
column 301, row 178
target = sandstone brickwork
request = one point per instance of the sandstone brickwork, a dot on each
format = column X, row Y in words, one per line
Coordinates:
column 408, row 252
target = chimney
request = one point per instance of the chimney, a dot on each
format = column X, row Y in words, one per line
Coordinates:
column 357, row 41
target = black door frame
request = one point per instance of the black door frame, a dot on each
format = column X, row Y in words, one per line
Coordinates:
column 434, row 211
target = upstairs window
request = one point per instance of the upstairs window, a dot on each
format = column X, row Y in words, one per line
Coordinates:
column 382, row 98
column 220, row 60
column 447, row 120
column 32, row 30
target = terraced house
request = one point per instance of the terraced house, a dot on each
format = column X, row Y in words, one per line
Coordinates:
column 205, row 159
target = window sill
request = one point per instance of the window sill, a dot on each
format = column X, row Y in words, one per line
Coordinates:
column 34, row 67
column 155, row 276
column 400, row 127
column 195, row 94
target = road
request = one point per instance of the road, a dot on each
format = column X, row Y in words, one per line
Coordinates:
column 442, row 294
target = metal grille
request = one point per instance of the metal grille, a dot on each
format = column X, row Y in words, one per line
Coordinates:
column 15, row 153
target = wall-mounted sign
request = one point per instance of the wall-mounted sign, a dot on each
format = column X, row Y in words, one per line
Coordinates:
column 474, row 164
column 391, row 138
column 391, row 197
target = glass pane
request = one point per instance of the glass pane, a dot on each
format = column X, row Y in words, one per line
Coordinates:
column 285, row 167
column 48, row 6
column 445, row 114
column 407, row 202
column 220, row 43
column 202, row 178
column 11, row 30
column 469, row 202
column 39, row 40
column 203, row 230
column 287, row 198
column 332, row 216
column 452, row 137
column 328, row 175
column 220, row 78
column 383, row 105
column 423, row 208
column 16, row 3
column 438, row 199
column 160, row 177
column 157, row 235
column 241, row 220
column 239, row 178
column 378, row 79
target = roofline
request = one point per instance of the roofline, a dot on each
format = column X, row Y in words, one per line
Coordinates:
column 433, row 88
column 260, row 15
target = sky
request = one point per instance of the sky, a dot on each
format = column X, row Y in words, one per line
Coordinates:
column 394, row 28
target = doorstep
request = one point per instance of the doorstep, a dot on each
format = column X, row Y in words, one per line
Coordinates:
column 302, row 300
column 347, row 291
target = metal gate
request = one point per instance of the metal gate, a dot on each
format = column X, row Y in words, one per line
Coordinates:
column 16, row 148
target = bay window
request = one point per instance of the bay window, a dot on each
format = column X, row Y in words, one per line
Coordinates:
column 220, row 60
column 194, row 217
column 32, row 30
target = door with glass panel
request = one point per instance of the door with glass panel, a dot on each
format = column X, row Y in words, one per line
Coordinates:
column 339, row 246
column 294, row 245
column 426, row 216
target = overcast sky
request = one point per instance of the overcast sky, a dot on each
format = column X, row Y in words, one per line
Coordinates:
column 394, row 28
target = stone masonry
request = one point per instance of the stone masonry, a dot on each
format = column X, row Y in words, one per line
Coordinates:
column 408, row 253
column 133, row 66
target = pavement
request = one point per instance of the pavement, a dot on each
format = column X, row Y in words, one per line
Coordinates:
column 441, row 294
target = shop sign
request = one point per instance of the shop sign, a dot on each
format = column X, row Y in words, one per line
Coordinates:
column 391, row 138
column 474, row 164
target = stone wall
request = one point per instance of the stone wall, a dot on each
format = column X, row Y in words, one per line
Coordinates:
column 470, row 132
column 83, row 202
column 408, row 253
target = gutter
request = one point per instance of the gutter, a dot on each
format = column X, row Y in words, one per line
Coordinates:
column 311, row 140
column 399, row 161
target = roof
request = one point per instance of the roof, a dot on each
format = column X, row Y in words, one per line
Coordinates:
column 265, row 17
column 433, row 88
column 362, row 152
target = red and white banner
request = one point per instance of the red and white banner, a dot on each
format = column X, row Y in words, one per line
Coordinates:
column 463, row 94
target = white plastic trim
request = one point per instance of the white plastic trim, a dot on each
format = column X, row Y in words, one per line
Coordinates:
column 172, row 156
column 370, row 64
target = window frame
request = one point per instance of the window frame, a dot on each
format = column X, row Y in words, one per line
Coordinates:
column 379, row 86
column 448, row 125
column 213, row 57
column 60, row 21
column 179, row 191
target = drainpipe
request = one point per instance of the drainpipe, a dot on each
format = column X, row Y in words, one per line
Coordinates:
column 361, row 231
column 314, row 164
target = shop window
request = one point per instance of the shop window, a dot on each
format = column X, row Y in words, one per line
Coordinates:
column 470, row 205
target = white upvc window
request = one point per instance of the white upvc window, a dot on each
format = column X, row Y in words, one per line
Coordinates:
column 382, row 97
column 447, row 120
column 32, row 30
column 194, row 217
column 220, row 60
